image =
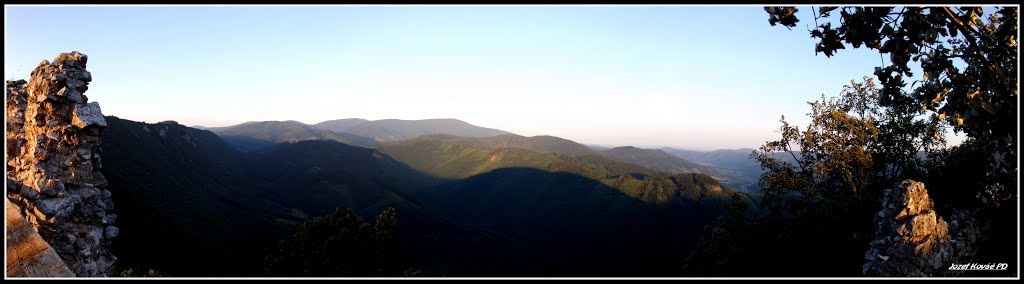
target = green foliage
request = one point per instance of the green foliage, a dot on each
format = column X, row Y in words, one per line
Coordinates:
column 828, row 195
column 339, row 244
column 833, row 158
column 852, row 145
column 969, row 61
column 825, row 196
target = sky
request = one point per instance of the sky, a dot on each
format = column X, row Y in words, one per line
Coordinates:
column 691, row 77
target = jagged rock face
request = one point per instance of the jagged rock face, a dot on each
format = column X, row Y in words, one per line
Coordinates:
column 53, row 163
column 912, row 240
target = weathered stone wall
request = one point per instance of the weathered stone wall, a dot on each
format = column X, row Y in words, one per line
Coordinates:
column 53, row 163
column 912, row 240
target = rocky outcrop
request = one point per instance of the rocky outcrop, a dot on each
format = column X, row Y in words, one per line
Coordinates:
column 913, row 241
column 53, row 163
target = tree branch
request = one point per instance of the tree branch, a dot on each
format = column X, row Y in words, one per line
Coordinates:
column 971, row 40
column 802, row 168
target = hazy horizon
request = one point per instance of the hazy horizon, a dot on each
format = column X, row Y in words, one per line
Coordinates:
column 644, row 146
column 688, row 77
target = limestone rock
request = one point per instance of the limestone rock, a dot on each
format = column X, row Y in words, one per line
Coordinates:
column 88, row 115
column 56, row 207
column 912, row 240
column 53, row 143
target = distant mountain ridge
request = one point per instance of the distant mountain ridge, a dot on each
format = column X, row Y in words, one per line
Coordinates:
column 256, row 135
column 388, row 130
column 259, row 134
column 340, row 125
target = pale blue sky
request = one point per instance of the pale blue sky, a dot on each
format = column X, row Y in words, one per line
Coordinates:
column 693, row 77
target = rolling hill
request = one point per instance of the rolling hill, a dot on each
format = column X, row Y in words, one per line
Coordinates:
column 453, row 157
column 658, row 160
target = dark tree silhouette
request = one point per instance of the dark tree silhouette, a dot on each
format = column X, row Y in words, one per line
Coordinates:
column 969, row 60
column 339, row 244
